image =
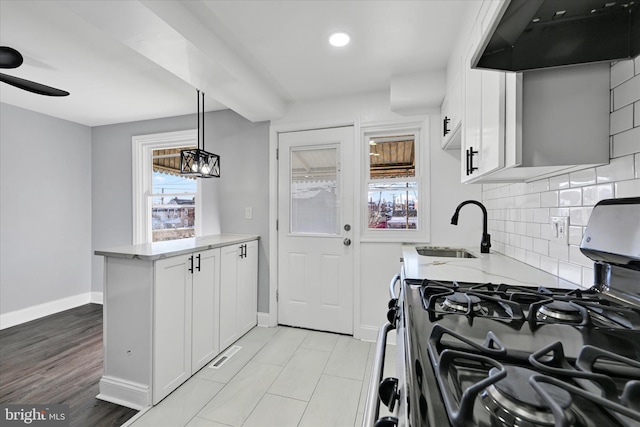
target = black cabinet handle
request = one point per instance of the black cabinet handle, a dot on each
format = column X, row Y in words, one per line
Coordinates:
column 198, row 266
column 191, row 264
column 470, row 153
column 445, row 126
column 243, row 251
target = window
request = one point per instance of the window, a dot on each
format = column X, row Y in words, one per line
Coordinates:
column 165, row 204
column 173, row 197
column 393, row 185
column 315, row 207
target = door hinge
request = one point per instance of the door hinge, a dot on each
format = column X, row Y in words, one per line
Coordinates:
column 277, row 225
column 277, row 295
column 277, row 154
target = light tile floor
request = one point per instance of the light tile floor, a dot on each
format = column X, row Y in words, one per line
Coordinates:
column 280, row 377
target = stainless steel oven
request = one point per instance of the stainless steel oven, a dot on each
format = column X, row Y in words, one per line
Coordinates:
column 494, row 354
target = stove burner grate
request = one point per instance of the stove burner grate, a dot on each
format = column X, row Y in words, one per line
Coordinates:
column 516, row 403
column 459, row 302
column 559, row 310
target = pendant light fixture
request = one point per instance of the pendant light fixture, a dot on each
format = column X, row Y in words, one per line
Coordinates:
column 198, row 162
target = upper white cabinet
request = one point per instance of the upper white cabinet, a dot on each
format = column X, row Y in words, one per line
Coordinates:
column 524, row 126
column 451, row 112
column 483, row 129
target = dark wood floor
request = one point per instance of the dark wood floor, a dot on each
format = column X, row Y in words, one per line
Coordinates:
column 58, row 359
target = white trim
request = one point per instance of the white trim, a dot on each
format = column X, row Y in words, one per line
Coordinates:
column 420, row 128
column 28, row 314
column 142, row 148
column 265, row 320
column 97, row 298
column 132, row 395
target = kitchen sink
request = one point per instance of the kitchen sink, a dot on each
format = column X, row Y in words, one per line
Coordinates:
column 444, row 252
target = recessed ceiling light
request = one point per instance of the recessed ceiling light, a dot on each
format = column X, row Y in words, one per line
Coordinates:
column 339, row 39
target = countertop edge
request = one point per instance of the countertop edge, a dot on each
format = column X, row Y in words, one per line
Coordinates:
column 160, row 250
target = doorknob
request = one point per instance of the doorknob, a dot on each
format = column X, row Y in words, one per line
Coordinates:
column 347, row 227
column 347, row 242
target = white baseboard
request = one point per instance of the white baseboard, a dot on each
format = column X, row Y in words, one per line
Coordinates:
column 96, row 297
column 124, row 393
column 28, row 314
column 267, row 320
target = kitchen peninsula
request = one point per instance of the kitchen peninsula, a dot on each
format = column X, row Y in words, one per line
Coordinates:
column 170, row 308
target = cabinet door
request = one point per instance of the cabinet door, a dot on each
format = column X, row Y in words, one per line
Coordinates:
column 171, row 325
column 492, row 122
column 229, row 257
column 248, row 288
column 472, row 117
column 206, row 293
column 455, row 103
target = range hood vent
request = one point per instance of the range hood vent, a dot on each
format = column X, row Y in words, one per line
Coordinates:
column 534, row 34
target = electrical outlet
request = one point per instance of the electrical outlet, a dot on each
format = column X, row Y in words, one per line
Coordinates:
column 248, row 213
column 560, row 229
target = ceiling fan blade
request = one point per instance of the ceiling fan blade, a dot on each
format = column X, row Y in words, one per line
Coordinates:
column 32, row 86
column 9, row 57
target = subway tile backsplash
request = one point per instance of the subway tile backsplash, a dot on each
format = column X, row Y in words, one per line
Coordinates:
column 520, row 213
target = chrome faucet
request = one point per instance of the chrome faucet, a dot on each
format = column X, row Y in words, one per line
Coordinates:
column 485, row 244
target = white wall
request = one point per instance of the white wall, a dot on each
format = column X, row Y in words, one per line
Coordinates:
column 520, row 213
column 45, row 209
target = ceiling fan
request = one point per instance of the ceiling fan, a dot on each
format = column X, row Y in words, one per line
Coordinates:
column 11, row 58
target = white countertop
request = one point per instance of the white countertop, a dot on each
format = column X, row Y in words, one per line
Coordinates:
column 158, row 250
column 492, row 267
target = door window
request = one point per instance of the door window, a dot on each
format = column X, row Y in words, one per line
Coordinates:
column 314, row 194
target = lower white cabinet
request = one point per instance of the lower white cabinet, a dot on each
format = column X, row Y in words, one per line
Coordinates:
column 172, row 299
column 184, row 325
column 239, row 293
column 164, row 319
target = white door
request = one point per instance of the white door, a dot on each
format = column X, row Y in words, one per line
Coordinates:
column 315, row 218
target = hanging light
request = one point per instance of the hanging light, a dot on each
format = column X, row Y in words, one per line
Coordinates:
column 198, row 162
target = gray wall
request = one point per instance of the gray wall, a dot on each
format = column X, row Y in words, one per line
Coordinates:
column 243, row 147
column 45, row 208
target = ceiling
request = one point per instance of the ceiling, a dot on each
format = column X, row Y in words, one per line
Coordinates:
column 133, row 60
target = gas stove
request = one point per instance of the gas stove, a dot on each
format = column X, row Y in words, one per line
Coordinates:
column 493, row 355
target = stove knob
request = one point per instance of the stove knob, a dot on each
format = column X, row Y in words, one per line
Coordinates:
column 386, row 422
column 388, row 392
column 392, row 316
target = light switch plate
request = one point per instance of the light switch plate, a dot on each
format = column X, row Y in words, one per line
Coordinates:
column 248, row 213
column 560, row 229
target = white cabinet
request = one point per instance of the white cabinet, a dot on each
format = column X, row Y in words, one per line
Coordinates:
column 239, row 291
column 524, row 126
column 483, row 129
column 185, row 329
column 164, row 314
column 451, row 113
column 206, row 296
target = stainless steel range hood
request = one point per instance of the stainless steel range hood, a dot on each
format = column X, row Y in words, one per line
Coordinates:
column 534, row 34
